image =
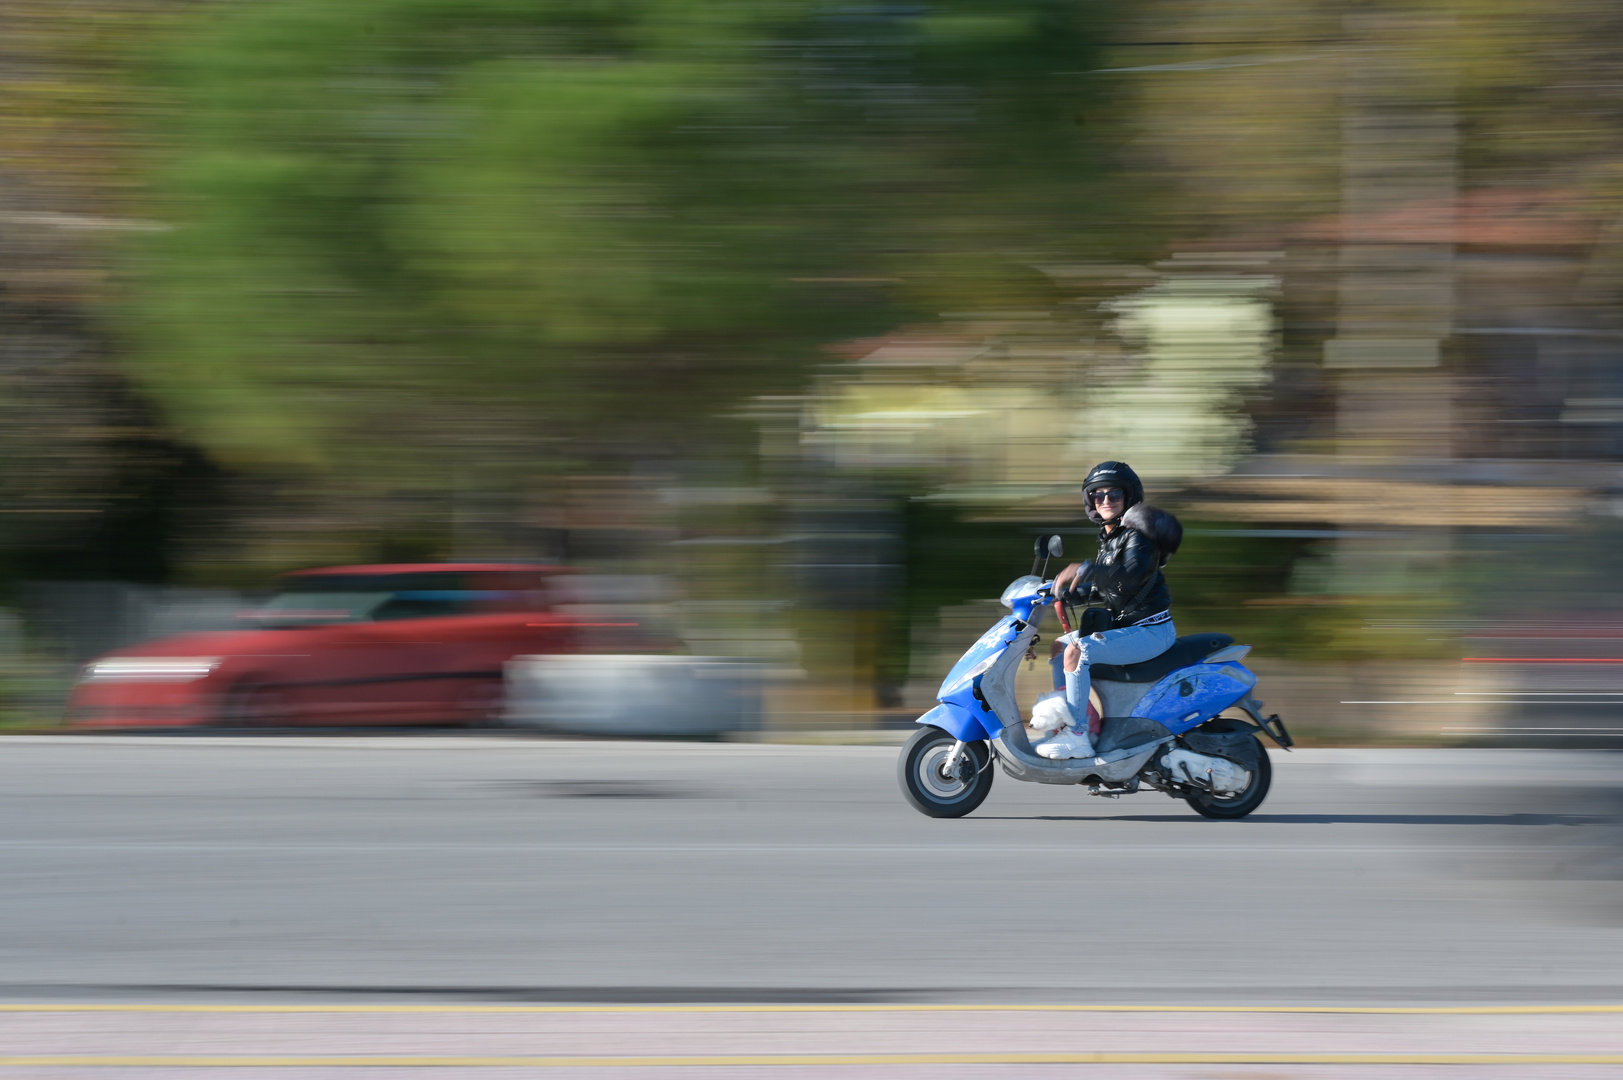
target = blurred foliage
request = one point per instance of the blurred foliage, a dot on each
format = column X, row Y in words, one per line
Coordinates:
column 1237, row 106
column 1257, row 587
column 396, row 219
column 390, row 271
column 69, row 99
column 92, row 486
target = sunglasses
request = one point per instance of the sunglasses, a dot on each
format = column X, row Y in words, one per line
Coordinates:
column 1104, row 495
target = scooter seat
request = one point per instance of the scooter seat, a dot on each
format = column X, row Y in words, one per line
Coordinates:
column 1187, row 650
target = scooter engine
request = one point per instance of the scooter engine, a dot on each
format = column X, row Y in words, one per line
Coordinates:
column 1215, row 774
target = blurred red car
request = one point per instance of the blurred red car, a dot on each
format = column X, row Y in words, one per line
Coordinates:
column 404, row 644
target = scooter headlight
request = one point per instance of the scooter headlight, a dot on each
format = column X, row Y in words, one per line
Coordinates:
column 1019, row 589
column 969, row 676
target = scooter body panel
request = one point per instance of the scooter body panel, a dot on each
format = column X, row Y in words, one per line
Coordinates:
column 957, row 721
column 1193, row 695
column 990, row 658
column 979, row 657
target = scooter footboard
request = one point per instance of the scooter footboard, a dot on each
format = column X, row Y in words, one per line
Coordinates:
column 1111, row 766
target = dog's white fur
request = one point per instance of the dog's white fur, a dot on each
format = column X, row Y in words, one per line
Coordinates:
column 1050, row 714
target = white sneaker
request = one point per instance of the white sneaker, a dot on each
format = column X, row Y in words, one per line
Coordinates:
column 1069, row 743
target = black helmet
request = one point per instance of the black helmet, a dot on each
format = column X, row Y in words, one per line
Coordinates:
column 1109, row 474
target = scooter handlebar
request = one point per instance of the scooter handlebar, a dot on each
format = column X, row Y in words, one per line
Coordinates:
column 1059, row 605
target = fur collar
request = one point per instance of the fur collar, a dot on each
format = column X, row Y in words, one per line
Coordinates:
column 1161, row 527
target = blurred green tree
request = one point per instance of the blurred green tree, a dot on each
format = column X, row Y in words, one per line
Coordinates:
column 410, row 231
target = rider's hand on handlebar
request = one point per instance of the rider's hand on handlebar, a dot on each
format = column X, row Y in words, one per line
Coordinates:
column 1066, row 579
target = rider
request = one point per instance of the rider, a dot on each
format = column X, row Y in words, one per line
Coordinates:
column 1126, row 577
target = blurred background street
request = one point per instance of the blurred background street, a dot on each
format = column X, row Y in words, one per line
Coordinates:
column 785, row 326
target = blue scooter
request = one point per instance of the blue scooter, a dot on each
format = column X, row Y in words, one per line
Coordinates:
column 1162, row 726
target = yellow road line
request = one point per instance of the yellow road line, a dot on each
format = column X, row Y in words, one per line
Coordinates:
column 1380, row 1010
column 720, row 1060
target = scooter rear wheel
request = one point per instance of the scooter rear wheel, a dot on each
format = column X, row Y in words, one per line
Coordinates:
column 932, row 791
column 1237, row 806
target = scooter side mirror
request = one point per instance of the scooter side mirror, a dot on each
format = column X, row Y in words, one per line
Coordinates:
column 1043, row 549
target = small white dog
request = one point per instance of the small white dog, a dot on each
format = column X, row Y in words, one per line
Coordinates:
column 1050, row 713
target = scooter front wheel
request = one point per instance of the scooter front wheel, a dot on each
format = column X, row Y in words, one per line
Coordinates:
column 930, row 787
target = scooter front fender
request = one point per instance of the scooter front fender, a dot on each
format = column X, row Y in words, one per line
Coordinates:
column 956, row 721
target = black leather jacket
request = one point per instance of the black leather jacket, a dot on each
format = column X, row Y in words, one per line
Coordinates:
column 1127, row 561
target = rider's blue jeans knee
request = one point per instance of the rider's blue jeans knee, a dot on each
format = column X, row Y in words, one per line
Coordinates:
column 1129, row 645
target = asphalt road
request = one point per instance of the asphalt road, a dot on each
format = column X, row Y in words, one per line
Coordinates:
column 483, row 870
